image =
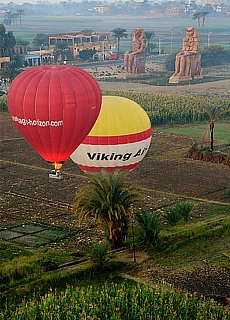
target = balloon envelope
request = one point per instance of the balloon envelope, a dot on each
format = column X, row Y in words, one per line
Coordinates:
column 54, row 108
column 120, row 138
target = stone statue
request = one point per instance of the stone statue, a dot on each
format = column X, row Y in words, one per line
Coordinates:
column 187, row 64
column 134, row 61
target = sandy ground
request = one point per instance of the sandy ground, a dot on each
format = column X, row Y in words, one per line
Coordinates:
column 209, row 89
column 215, row 88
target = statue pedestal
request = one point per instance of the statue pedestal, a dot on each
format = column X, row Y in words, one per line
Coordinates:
column 177, row 79
column 198, row 77
column 127, row 75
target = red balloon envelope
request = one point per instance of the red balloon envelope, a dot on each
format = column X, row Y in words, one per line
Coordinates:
column 54, row 108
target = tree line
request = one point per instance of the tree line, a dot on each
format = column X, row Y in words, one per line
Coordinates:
column 210, row 55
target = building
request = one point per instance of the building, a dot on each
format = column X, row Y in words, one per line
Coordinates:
column 4, row 60
column 41, row 57
column 102, row 9
column 77, row 42
column 175, row 12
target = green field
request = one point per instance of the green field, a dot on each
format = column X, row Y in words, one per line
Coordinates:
column 162, row 26
column 221, row 130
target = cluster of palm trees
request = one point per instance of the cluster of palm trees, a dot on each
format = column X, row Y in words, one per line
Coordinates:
column 13, row 17
column 198, row 15
column 115, row 204
column 120, row 33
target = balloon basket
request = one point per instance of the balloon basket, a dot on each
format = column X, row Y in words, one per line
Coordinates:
column 55, row 175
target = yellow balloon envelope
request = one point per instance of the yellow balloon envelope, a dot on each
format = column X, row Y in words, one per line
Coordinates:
column 120, row 137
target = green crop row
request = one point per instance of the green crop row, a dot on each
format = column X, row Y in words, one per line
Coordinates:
column 162, row 108
column 125, row 300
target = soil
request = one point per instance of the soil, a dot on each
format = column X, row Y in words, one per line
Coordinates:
column 164, row 178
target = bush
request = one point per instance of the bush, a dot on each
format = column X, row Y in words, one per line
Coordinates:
column 48, row 264
column 170, row 62
column 3, row 104
column 99, row 253
column 226, row 194
column 19, row 268
column 214, row 55
column 172, row 216
column 184, row 210
column 148, row 234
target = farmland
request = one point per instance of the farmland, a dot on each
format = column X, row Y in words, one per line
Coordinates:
column 164, row 177
column 163, row 26
column 37, row 224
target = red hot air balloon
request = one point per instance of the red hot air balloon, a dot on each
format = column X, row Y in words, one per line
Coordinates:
column 54, row 108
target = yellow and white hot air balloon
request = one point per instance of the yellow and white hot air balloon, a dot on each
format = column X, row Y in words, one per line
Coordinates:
column 120, row 137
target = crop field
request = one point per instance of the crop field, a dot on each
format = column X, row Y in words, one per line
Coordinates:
column 163, row 109
column 31, row 200
column 112, row 301
column 36, row 218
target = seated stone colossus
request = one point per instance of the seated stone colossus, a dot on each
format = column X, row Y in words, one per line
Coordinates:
column 134, row 61
column 187, row 64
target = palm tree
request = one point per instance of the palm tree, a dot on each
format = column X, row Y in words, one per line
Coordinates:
column 149, row 228
column 2, row 39
column 118, row 34
column 61, row 50
column 20, row 13
column 203, row 15
column 197, row 16
column 214, row 113
column 7, row 42
column 41, row 39
column 109, row 199
column 149, row 35
column 10, row 43
column 10, row 71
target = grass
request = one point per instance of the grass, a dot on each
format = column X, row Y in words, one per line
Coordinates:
column 221, row 130
column 192, row 253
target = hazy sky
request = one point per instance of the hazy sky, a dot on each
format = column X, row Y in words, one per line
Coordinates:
column 51, row 1
column 33, row 1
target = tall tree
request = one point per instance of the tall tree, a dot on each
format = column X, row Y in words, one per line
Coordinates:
column 109, row 199
column 7, row 42
column 197, row 16
column 214, row 113
column 2, row 39
column 203, row 15
column 118, row 34
column 149, row 35
column 20, row 14
column 61, row 51
column 41, row 39
column 10, row 71
column 10, row 43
